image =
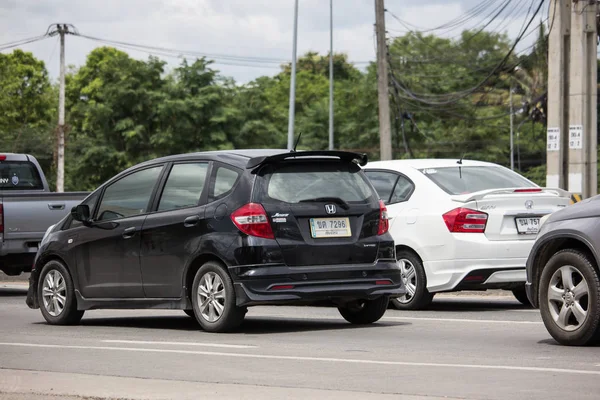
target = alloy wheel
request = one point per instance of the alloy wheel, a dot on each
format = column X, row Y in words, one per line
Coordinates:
column 568, row 298
column 54, row 293
column 211, row 297
column 409, row 278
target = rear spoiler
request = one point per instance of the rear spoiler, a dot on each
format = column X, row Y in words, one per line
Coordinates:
column 464, row 198
column 347, row 156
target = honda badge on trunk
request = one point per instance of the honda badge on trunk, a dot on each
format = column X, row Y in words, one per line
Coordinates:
column 330, row 208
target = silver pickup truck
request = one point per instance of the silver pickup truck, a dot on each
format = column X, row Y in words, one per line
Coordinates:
column 27, row 209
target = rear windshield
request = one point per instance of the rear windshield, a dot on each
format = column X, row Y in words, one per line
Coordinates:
column 293, row 183
column 19, row 175
column 473, row 179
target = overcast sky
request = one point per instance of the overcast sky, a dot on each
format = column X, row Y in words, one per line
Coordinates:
column 249, row 28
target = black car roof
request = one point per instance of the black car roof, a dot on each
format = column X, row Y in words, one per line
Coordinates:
column 237, row 158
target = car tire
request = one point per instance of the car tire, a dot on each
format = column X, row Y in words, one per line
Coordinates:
column 415, row 281
column 521, row 295
column 56, row 294
column 363, row 312
column 569, row 294
column 213, row 297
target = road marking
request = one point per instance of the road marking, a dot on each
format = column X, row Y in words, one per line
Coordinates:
column 482, row 321
column 312, row 359
column 229, row 346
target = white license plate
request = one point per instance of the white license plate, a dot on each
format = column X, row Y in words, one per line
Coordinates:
column 330, row 227
column 528, row 226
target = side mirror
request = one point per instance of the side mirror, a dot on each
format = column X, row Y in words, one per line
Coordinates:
column 81, row 213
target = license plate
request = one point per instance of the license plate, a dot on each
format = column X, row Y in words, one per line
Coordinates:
column 528, row 226
column 330, row 227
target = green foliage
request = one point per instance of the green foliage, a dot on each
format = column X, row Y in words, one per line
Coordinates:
column 121, row 111
column 28, row 107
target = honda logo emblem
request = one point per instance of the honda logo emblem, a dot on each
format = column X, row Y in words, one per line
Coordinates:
column 330, row 208
column 529, row 204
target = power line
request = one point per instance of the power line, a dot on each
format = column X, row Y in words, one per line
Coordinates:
column 454, row 97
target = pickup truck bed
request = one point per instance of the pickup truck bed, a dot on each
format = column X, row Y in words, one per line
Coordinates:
column 27, row 209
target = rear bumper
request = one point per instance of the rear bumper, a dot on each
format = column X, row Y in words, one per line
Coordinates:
column 279, row 284
column 475, row 274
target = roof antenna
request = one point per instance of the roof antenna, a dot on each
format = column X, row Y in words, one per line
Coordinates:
column 297, row 141
column 459, row 162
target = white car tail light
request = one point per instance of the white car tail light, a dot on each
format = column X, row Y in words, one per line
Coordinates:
column 465, row 220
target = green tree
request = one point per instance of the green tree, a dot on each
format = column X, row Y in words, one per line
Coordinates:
column 28, row 104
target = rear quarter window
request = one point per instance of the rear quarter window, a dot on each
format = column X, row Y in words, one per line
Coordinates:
column 19, row 175
column 297, row 182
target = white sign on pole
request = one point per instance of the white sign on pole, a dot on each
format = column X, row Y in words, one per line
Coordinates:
column 576, row 137
column 553, row 139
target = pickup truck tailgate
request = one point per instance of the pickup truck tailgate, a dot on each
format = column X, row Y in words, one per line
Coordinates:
column 27, row 216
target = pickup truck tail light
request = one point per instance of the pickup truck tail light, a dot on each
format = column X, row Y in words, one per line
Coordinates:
column 1, row 218
column 465, row 220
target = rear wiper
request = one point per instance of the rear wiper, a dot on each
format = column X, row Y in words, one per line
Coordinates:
column 336, row 200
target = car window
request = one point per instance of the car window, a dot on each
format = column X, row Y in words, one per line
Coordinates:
column 225, row 179
column 19, row 175
column 91, row 203
column 383, row 183
column 463, row 180
column 402, row 191
column 301, row 182
column 184, row 186
column 128, row 196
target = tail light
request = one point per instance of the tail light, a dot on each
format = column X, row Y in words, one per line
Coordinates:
column 532, row 190
column 1, row 218
column 252, row 220
column 384, row 224
column 465, row 220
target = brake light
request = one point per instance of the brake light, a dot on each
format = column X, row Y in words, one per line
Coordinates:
column 533, row 190
column 1, row 218
column 2, row 157
column 252, row 220
column 384, row 224
column 465, row 220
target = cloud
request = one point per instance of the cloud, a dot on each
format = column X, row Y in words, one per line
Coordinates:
column 249, row 28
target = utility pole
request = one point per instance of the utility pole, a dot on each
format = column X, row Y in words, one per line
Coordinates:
column 385, row 135
column 559, row 43
column 330, row 74
column 292, row 110
column 512, row 145
column 61, row 30
column 583, row 142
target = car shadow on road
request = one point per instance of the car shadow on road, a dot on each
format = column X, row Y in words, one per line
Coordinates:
column 11, row 292
column 251, row 325
column 463, row 304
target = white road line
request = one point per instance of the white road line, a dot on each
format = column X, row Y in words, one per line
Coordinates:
column 312, row 359
column 229, row 346
column 481, row 321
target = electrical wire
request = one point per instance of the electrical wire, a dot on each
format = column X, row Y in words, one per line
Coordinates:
column 22, row 42
column 454, row 97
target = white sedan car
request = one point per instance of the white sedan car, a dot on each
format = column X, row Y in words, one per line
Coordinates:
column 460, row 225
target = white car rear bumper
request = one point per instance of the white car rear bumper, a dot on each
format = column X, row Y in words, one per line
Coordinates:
column 474, row 261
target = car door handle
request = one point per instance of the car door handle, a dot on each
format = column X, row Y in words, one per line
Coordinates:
column 129, row 232
column 56, row 206
column 191, row 221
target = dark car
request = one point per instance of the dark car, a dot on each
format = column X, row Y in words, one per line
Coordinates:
column 563, row 276
column 215, row 232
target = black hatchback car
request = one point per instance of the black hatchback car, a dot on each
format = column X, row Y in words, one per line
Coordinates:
column 215, row 232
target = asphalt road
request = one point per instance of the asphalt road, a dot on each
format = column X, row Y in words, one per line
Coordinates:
column 464, row 347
